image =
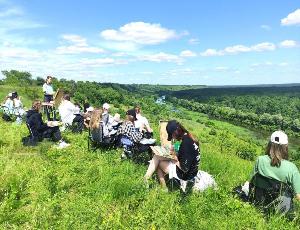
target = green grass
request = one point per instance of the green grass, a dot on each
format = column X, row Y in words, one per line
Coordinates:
column 46, row 188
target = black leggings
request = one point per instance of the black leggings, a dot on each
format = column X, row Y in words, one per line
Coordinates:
column 53, row 133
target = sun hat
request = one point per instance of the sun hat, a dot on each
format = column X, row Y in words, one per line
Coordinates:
column 279, row 137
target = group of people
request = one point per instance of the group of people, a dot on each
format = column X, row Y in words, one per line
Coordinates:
column 13, row 107
column 274, row 166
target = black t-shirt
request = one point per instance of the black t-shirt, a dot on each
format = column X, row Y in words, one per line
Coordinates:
column 189, row 158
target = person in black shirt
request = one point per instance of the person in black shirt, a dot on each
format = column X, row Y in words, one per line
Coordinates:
column 41, row 130
column 185, row 164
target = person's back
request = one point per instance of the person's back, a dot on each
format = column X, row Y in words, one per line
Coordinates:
column 287, row 172
column 66, row 111
column 275, row 180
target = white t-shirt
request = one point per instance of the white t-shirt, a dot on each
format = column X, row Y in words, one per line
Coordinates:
column 66, row 111
column 48, row 89
column 141, row 122
column 9, row 106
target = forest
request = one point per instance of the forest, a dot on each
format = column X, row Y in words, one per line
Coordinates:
column 262, row 107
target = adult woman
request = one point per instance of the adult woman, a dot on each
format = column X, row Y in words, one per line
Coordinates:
column 41, row 130
column 185, row 164
column 276, row 166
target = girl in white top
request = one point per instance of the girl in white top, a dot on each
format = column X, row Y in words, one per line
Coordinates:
column 141, row 123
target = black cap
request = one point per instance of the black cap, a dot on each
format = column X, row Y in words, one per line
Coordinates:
column 131, row 112
column 171, row 127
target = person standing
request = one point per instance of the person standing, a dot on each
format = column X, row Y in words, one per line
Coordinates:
column 48, row 98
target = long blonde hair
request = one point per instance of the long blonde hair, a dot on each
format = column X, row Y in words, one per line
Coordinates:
column 277, row 153
column 96, row 117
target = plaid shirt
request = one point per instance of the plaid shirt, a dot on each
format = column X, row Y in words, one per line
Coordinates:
column 128, row 129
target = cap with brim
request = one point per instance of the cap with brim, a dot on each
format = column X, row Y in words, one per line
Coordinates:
column 279, row 137
column 171, row 128
column 131, row 112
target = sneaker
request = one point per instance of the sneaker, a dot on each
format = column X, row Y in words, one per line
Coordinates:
column 62, row 145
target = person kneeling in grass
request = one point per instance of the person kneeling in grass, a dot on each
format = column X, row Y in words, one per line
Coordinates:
column 184, row 166
column 42, row 130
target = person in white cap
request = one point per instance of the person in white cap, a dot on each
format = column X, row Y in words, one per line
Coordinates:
column 275, row 165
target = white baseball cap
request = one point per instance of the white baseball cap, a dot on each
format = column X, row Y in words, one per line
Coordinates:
column 106, row 106
column 279, row 137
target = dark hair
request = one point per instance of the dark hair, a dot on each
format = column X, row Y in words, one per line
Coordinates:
column 130, row 118
column 36, row 105
column 180, row 131
column 277, row 153
column 48, row 77
column 67, row 97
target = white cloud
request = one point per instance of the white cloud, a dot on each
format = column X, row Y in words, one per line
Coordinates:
column 222, row 68
column 19, row 53
column 211, row 52
column 288, row 44
column 266, row 27
column 236, row 49
column 283, row 64
column 76, row 39
column 188, row 53
column 194, row 41
column 98, row 62
column 11, row 12
column 77, row 45
column 161, row 57
column 140, row 33
column 265, row 46
column 292, row 19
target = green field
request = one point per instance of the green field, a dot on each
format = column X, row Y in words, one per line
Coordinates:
column 46, row 188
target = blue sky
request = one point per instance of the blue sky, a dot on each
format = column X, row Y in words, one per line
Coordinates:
column 159, row 42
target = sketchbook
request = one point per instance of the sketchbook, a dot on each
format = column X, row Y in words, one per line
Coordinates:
column 162, row 151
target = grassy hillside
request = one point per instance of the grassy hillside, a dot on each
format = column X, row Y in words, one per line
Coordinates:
column 47, row 188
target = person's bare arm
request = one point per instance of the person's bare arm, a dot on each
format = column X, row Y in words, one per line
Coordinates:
column 298, row 197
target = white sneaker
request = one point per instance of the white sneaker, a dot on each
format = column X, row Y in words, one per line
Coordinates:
column 62, row 145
